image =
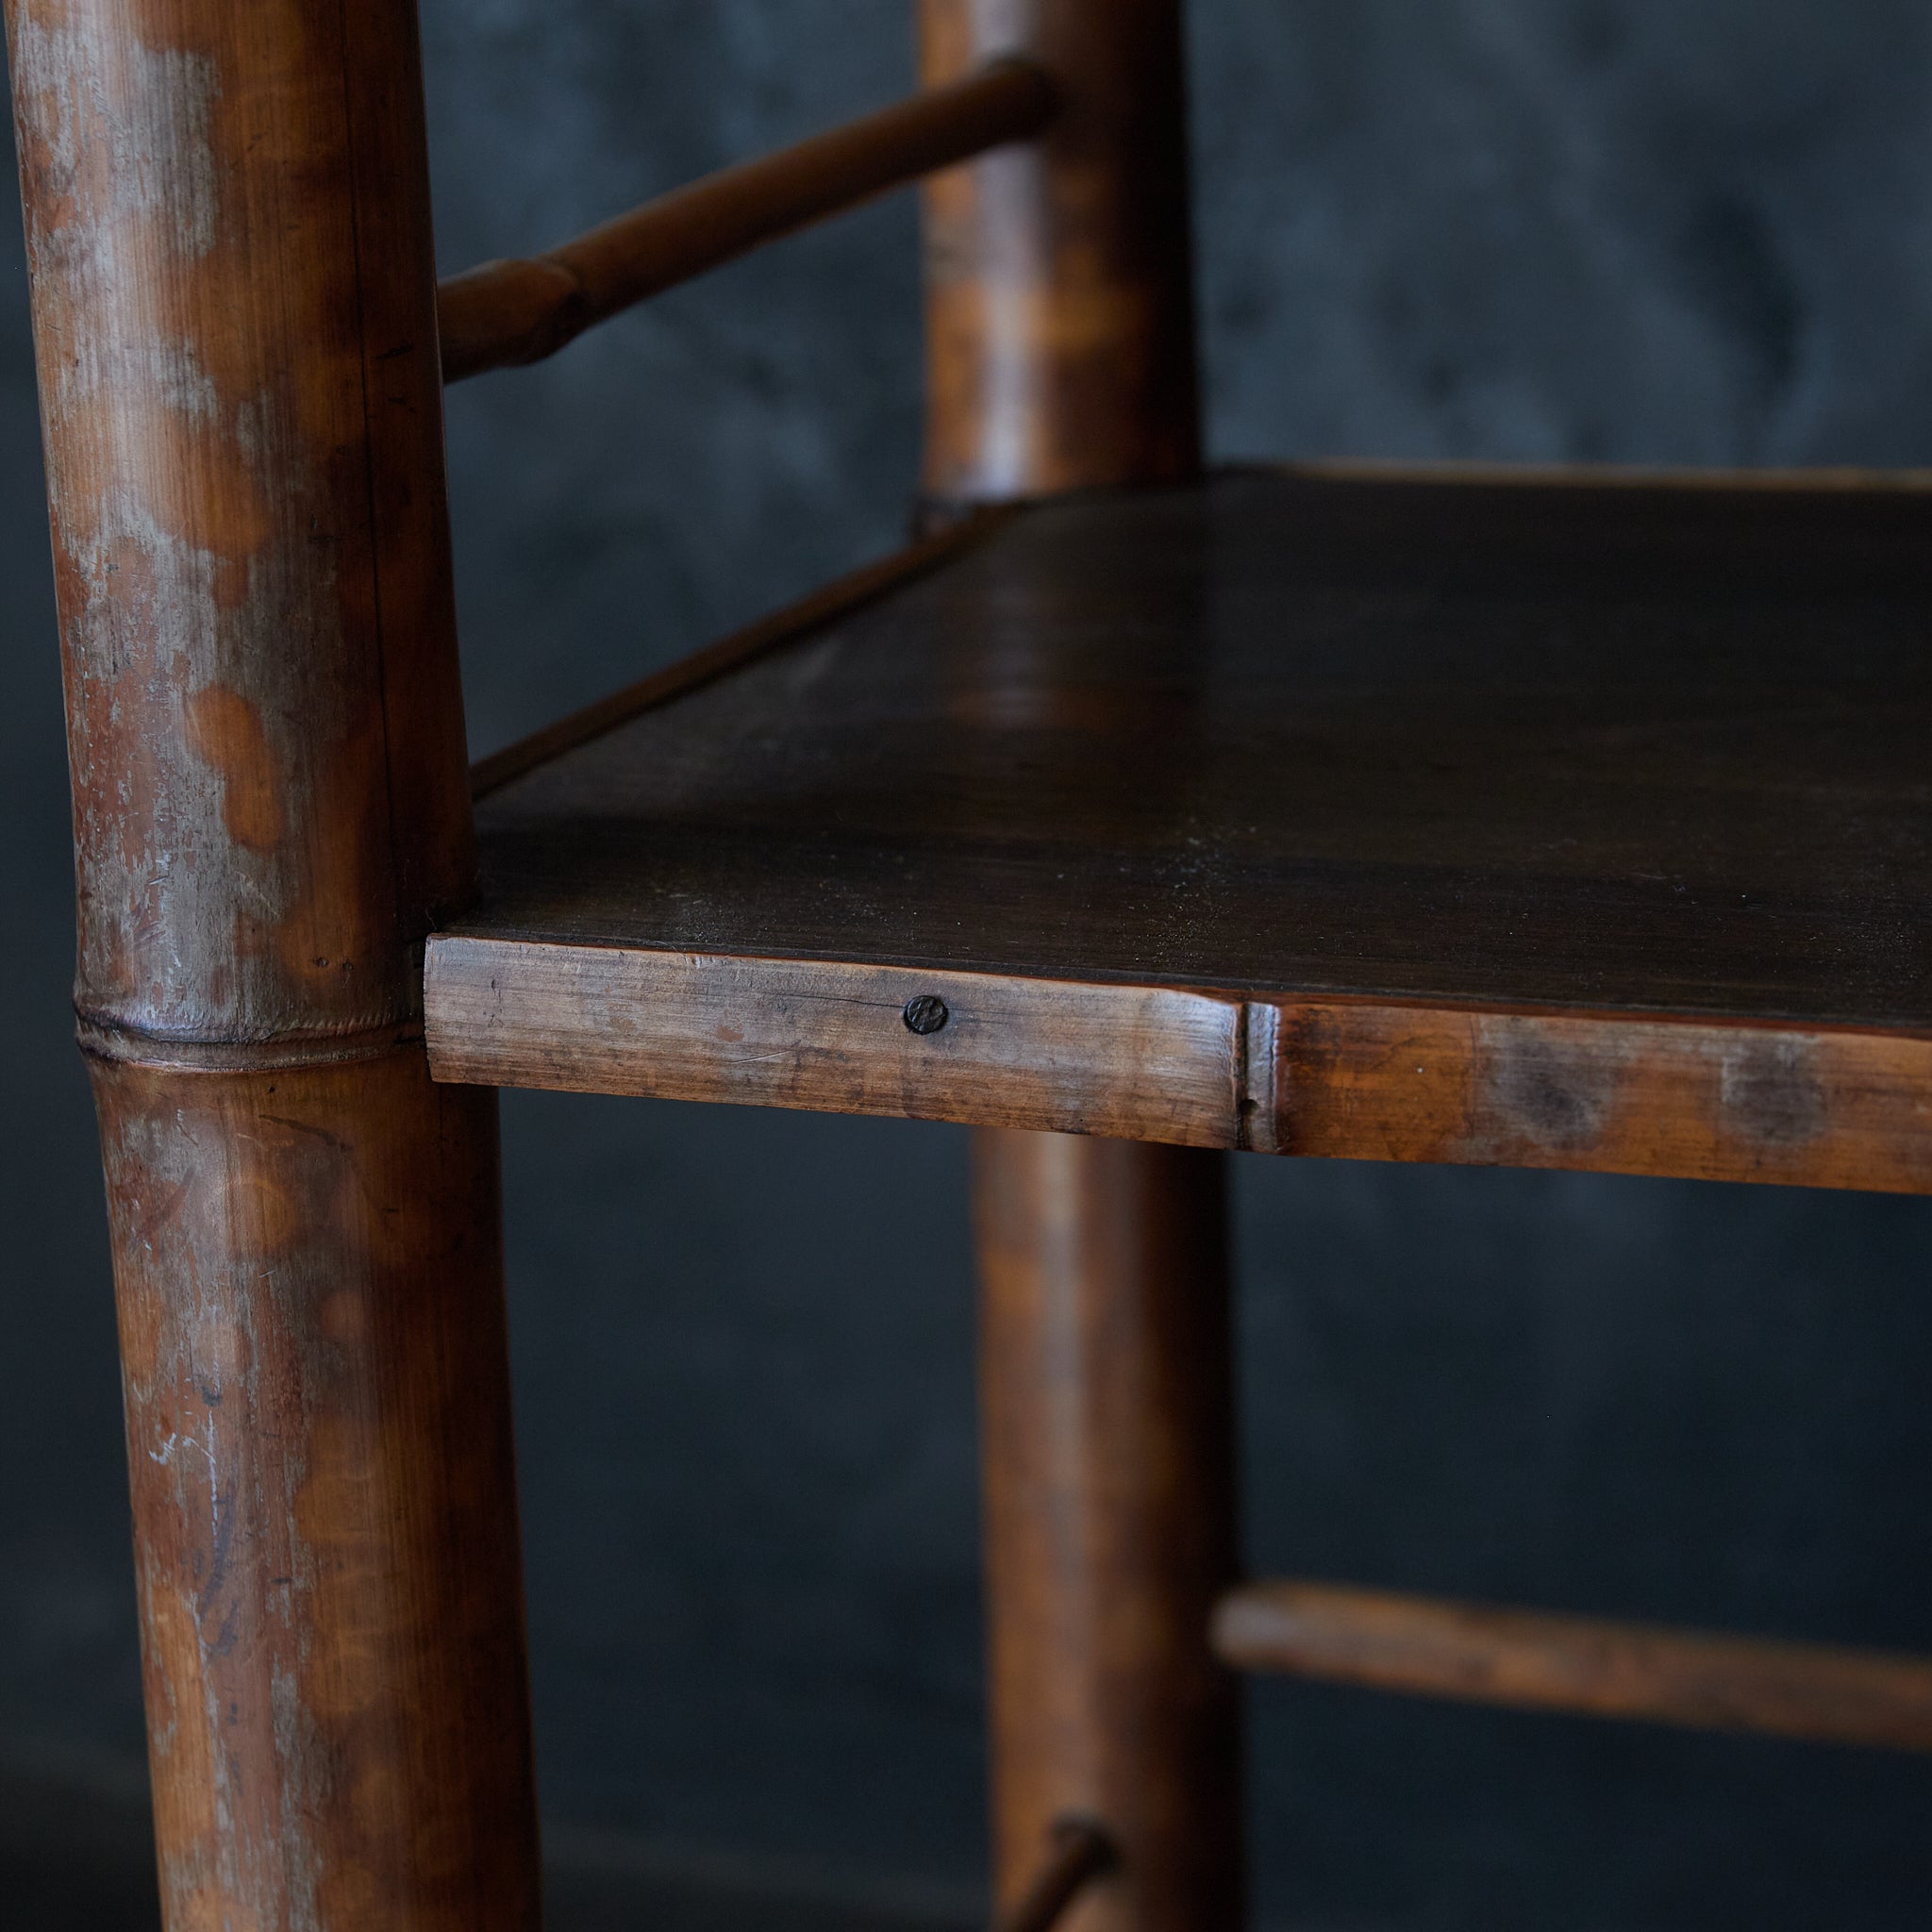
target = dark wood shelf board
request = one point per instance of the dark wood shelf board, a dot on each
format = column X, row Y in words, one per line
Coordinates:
column 1629, row 778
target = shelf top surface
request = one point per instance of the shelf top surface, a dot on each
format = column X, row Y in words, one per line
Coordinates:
column 1517, row 743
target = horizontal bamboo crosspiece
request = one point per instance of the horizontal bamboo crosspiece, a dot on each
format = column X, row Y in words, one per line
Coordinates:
column 515, row 311
column 1586, row 1665
column 1077, row 1852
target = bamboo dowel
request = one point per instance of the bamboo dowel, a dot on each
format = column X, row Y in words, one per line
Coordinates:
column 1579, row 1664
column 1079, row 1851
column 506, row 313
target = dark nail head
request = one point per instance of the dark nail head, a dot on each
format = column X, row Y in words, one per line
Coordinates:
column 926, row 1013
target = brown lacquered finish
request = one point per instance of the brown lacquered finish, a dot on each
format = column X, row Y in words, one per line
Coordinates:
column 1537, row 1660
column 1797, row 1105
column 313, row 1352
column 1110, row 1518
column 1551, row 823
column 233, row 304
column 1145, row 1062
column 1059, row 318
column 1602, row 1092
column 244, row 436
column 520, row 312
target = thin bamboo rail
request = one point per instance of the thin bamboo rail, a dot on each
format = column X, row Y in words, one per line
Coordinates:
column 1079, row 1853
column 522, row 311
column 1586, row 1665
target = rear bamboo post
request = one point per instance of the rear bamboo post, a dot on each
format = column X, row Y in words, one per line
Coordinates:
column 1109, row 1519
column 228, row 220
column 1061, row 355
column 1060, row 293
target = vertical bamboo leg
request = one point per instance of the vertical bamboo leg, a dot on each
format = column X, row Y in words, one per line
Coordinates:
column 1060, row 288
column 313, row 1359
column 1061, row 355
column 1109, row 1519
column 227, row 227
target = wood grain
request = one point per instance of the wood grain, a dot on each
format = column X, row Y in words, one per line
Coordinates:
column 506, row 313
column 1107, row 1511
column 1589, row 748
column 1059, row 283
column 229, row 241
column 1154, row 1065
column 1604, row 1092
column 313, row 1362
column 1537, row 1660
column 1578, row 826
column 1612, row 1093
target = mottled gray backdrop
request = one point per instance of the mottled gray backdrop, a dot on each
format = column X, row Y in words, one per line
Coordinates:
column 1635, row 230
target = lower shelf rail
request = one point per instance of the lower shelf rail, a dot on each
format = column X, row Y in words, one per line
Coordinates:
column 1539, row 1661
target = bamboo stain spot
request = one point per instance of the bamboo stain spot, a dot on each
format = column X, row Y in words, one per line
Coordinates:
column 1771, row 1091
column 1555, row 1098
column 225, row 731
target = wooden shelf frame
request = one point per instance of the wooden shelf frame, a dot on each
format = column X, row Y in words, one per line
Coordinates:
column 1689, row 943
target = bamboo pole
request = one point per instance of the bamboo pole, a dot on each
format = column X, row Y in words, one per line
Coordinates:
column 228, row 239
column 516, row 311
column 1538, row 1660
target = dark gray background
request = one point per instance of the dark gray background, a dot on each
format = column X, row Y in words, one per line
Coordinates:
column 1634, row 230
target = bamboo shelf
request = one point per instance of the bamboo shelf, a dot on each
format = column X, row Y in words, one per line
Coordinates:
column 1539, row 820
